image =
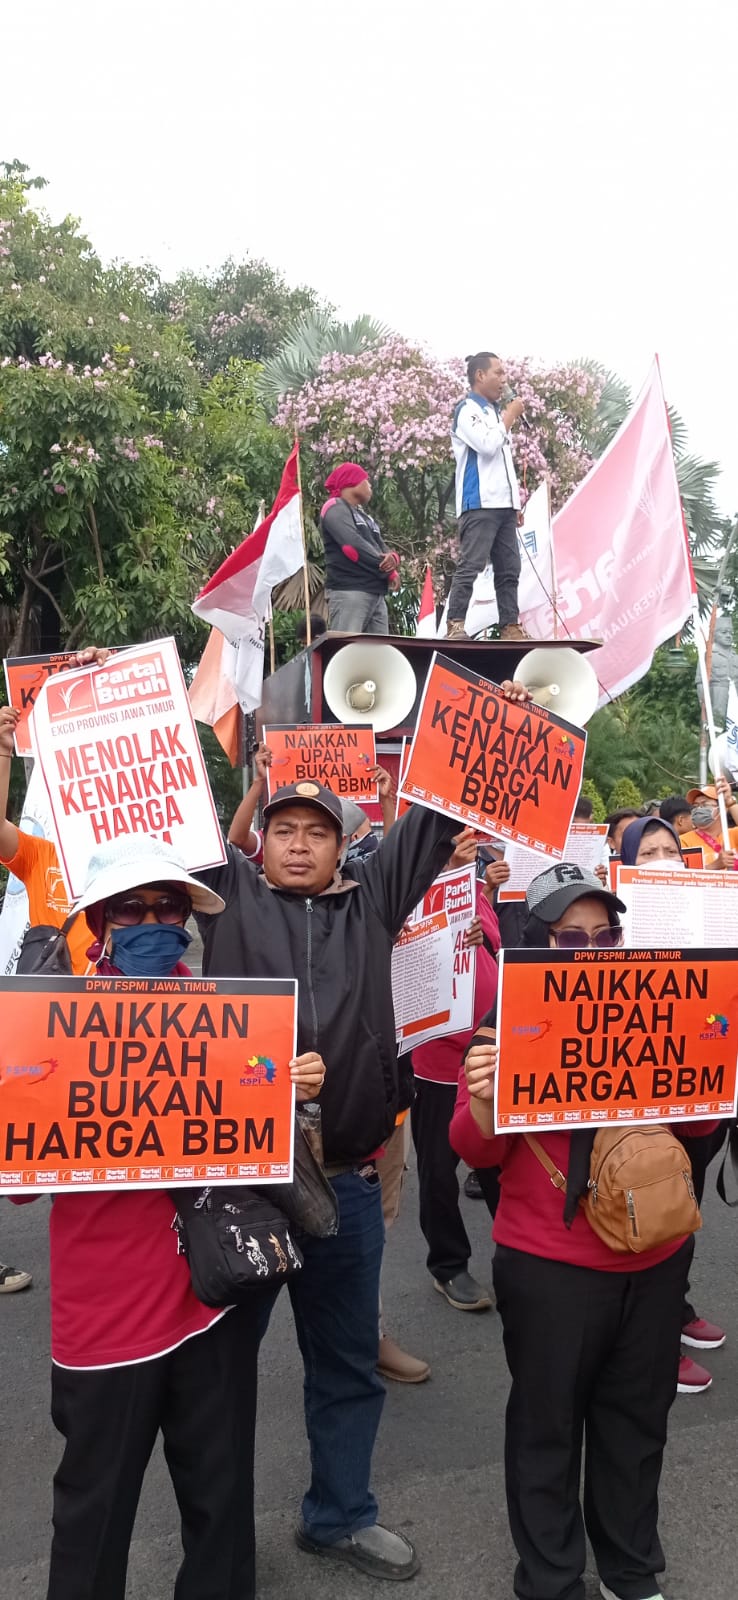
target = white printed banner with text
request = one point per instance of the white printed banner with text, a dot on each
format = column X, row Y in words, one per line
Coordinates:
column 120, row 756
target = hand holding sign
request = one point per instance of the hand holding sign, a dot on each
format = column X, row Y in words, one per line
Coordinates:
column 120, row 755
column 482, row 753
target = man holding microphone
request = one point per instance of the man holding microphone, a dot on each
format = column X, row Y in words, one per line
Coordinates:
column 487, row 496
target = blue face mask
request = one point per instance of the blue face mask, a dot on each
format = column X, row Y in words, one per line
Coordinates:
column 149, row 950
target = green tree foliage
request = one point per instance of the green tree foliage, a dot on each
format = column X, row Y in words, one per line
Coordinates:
column 651, row 734
column 599, row 810
column 623, row 793
column 242, row 312
column 125, row 474
column 316, row 335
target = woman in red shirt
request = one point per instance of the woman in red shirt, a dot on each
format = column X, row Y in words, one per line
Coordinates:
column 133, row 1350
column 591, row 1335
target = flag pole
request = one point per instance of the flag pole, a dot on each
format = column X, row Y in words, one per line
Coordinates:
column 555, row 606
column 699, row 639
column 308, row 629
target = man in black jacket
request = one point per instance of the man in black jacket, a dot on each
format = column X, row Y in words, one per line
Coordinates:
column 358, row 565
column 334, row 932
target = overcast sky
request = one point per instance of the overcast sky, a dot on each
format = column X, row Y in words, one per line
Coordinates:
column 553, row 178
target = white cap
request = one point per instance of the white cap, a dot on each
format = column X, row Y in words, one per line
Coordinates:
column 135, row 862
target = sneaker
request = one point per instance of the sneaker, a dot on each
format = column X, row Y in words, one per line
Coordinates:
column 609, row 1594
column 11, row 1280
column 377, row 1551
column 703, row 1335
column 396, row 1364
column 514, row 633
column 464, row 1293
column 693, row 1379
column 472, row 1187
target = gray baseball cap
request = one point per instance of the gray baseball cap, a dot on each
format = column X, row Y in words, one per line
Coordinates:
column 353, row 817
column 553, row 891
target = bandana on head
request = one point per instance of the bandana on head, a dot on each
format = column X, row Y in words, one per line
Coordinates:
column 345, row 477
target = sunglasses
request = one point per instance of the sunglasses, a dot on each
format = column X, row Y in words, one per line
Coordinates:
column 577, row 939
column 129, row 910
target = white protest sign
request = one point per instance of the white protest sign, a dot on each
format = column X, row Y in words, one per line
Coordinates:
column 119, row 753
column 456, row 894
column 422, row 981
column 585, row 847
column 677, row 910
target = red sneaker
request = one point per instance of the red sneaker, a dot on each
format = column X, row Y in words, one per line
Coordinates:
column 703, row 1335
column 692, row 1378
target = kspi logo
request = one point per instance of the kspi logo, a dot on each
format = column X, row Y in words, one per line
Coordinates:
column 718, row 1026
column 258, row 1070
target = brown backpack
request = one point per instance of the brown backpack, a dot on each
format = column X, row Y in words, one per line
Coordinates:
column 640, row 1192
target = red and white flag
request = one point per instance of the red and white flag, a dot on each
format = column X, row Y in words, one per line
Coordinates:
column 425, row 627
column 237, row 600
column 623, row 570
column 213, row 696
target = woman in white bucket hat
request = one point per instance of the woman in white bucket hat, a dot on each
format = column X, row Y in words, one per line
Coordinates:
column 133, row 1350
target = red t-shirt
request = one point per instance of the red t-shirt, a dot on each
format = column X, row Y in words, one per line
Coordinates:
column 119, row 1291
column 530, row 1215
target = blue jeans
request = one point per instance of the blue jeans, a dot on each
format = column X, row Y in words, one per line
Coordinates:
column 335, row 1300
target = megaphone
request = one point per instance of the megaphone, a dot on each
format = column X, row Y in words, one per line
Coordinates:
column 371, row 683
column 562, row 681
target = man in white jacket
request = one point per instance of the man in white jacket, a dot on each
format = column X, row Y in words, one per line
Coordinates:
column 487, row 495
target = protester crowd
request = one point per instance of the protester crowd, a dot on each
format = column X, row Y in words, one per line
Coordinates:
column 308, row 891
column 593, row 1339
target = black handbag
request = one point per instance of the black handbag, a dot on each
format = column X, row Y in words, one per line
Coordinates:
column 236, row 1238
column 45, row 950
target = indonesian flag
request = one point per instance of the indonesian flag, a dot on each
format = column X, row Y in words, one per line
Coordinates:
column 237, row 600
column 425, row 627
column 620, row 544
column 213, row 696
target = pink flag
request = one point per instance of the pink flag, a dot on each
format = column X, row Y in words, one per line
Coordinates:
column 425, row 627
column 237, row 600
column 622, row 559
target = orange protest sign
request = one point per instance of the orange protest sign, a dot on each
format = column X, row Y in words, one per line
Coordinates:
column 136, row 1083
column 330, row 753
column 25, row 676
column 514, row 770
column 592, row 1037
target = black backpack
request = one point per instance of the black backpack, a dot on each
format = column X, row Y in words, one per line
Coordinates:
column 45, row 951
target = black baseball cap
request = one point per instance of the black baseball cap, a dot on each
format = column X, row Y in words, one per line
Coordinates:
column 553, row 891
column 308, row 793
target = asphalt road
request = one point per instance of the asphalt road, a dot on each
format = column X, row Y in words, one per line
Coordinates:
column 438, row 1464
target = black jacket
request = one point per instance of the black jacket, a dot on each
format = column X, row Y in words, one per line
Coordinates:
column 339, row 947
column 353, row 547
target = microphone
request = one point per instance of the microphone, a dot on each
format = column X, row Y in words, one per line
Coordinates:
column 507, row 397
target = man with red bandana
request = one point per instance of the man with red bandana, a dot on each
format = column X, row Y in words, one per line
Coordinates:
column 358, row 566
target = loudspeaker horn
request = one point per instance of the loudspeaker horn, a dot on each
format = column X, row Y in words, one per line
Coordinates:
column 562, row 681
column 371, row 683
